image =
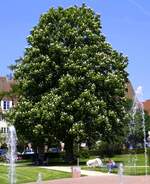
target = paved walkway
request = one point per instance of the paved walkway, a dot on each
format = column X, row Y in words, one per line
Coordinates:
column 101, row 180
column 94, row 177
column 83, row 172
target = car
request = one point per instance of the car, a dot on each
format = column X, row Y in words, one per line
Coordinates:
column 28, row 152
column 54, row 150
column 2, row 152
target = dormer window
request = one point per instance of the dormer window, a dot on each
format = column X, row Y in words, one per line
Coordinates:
column 6, row 105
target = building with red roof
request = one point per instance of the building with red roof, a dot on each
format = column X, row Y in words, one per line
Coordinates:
column 6, row 101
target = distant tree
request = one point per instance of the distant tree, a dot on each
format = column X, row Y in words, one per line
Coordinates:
column 71, row 82
column 134, row 134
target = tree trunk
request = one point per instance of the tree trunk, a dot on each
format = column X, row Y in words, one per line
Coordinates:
column 69, row 155
column 39, row 154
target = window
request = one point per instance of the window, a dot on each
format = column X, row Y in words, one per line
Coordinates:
column 6, row 105
column 4, row 130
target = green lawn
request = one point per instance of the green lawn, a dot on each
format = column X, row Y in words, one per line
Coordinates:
column 25, row 174
column 129, row 159
column 128, row 162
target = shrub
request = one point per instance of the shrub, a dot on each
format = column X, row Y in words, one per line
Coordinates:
column 104, row 149
column 133, row 151
column 84, row 153
column 2, row 158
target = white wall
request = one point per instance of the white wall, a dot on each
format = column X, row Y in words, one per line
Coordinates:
column 3, row 125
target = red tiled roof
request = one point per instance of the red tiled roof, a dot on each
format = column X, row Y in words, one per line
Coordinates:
column 6, row 84
column 130, row 91
column 147, row 106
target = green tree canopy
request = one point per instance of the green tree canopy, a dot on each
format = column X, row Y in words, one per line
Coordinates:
column 71, row 82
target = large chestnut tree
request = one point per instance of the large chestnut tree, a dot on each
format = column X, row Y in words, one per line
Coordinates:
column 71, row 82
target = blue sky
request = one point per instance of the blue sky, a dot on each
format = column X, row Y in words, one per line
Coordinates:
column 126, row 25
